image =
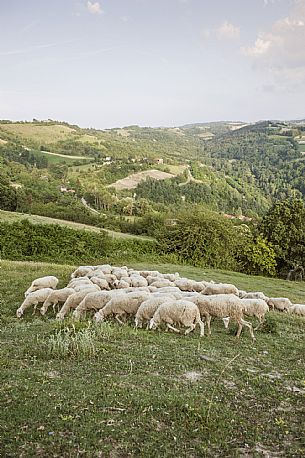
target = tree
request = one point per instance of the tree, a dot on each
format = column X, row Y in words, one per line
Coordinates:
column 284, row 227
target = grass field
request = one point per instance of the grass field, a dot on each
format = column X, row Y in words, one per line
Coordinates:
column 43, row 134
column 36, row 219
column 120, row 392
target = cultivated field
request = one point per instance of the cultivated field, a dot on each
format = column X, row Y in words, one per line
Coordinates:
column 119, row 392
column 134, row 179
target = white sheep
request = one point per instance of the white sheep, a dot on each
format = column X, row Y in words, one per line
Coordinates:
column 83, row 285
column 171, row 277
column 121, row 306
column 279, row 303
column 33, row 298
column 184, row 284
column 82, row 271
column 73, row 301
column 147, row 309
column 222, row 306
column 137, row 281
column 297, row 309
column 95, row 301
column 102, row 283
column 252, row 307
column 162, row 283
column 181, row 312
column 56, row 296
column 220, row 288
column 43, row 282
column 119, row 272
column 253, row 295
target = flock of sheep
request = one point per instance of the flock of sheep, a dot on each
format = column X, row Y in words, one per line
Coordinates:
column 152, row 298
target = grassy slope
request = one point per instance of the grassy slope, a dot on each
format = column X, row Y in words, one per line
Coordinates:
column 149, row 393
column 36, row 219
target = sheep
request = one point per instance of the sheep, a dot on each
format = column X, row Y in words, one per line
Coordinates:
column 83, row 286
column 137, row 281
column 119, row 272
column 56, row 296
column 253, row 295
column 184, row 284
column 43, row 282
column 222, row 306
column 180, row 312
column 171, row 277
column 198, row 286
column 252, row 307
column 93, row 300
column 33, row 298
column 105, row 268
column 73, row 301
column 297, row 309
column 121, row 306
column 147, row 309
column 81, row 271
column 101, row 282
column 162, row 283
column 150, row 273
column 151, row 279
column 121, row 284
column 279, row 303
column 220, row 288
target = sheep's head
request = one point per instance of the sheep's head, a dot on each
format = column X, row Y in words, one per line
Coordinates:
column 99, row 316
column 152, row 324
column 226, row 321
column 19, row 312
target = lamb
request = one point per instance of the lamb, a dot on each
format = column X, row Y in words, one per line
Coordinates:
column 180, row 312
column 33, row 298
column 222, row 306
column 43, row 282
column 56, row 296
column 73, row 301
column 121, row 306
column 220, row 288
column 147, row 308
column 297, row 309
column 279, row 303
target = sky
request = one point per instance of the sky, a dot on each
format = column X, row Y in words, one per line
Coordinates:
column 114, row 63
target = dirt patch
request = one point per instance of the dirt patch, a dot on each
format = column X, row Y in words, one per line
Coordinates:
column 133, row 180
column 192, row 376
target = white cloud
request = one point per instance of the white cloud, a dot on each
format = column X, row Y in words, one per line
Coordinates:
column 280, row 50
column 94, row 8
column 227, row 31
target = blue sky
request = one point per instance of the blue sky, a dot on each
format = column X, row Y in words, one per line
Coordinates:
column 113, row 63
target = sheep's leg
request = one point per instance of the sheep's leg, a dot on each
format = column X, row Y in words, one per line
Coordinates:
column 190, row 329
column 208, row 318
column 260, row 322
column 54, row 306
column 240, row 326
column 63, row 311
column 201, row 324
column 35, row 307
column 249, row 326
column 169, row 326
column 118, row 319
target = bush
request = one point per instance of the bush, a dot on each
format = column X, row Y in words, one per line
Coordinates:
column 256, row 255
column 50, row 242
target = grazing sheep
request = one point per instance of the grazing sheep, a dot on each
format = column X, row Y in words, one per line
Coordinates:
column 119, row 272
column 33, row 298
column 199, row 286
column 81, row 271
column 178, row 312
column 121, row 284
column 279, row 303
column 184, row 284
column 147, row 309
column 73, row 301
column 121, row 306
column 255, row 307
column 137, row 281
column 43, row 282
column 222, row 306
column 297, row 309
column 220, row 288
column 253, row 295
column 171, row 277
column 95, row 301
column 105, row 269
column 161, row 283
column 83, row 285
column 151, row 279
column 150, row 273
column 102, row 283
column 56, row 296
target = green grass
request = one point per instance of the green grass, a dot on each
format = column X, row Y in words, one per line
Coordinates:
column 10, row 217
column 119, row 392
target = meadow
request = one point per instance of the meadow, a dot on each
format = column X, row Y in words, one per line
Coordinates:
column 77, row 389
